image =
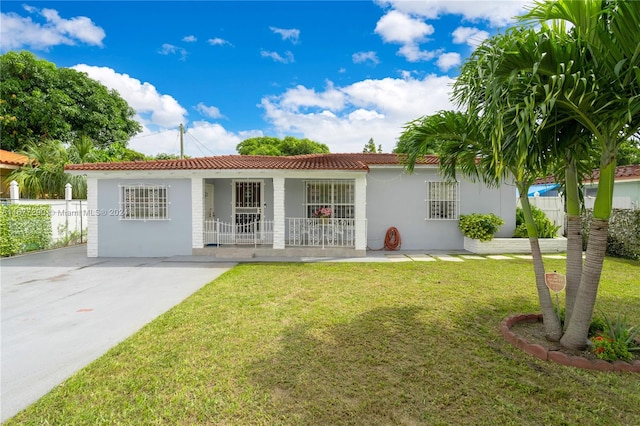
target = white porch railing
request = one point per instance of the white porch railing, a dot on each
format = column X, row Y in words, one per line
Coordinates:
column 321, row 232
column 218, row 233
column 300, row 232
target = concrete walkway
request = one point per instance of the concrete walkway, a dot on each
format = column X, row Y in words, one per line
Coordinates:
column 62, row 310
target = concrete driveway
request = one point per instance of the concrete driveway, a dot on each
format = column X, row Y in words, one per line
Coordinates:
column 62, row 310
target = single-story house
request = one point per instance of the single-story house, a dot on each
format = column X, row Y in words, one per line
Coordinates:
column 306, row 205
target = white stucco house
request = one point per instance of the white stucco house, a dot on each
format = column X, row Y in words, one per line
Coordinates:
column 241, row 206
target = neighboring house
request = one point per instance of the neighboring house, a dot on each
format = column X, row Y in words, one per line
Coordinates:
column 626, row 187
column 240, row 206
column 9, row 161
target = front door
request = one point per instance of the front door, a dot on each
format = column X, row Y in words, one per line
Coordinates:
column 209, row 213
column 247, row 210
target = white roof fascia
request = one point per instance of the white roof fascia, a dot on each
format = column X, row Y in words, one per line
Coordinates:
column 218, row 173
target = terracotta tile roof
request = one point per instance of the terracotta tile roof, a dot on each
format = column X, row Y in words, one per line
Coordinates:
column 12, row 158
column 622, row 173
column 359, row 161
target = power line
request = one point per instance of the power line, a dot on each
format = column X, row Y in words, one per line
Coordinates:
column 200, row 144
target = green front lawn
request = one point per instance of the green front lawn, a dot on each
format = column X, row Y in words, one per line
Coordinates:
column 350, row 343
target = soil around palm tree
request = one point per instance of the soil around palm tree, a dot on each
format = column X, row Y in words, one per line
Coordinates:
column 527, row 333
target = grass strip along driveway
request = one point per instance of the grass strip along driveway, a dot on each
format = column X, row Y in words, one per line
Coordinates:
column 350, row 343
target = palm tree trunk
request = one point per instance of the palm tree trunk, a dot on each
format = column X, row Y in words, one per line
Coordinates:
column 574, row 238
column 578, row 328
column 573, row 264
column 552, row 326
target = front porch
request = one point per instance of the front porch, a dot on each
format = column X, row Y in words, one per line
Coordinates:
column 303, row 237
column 262, row 223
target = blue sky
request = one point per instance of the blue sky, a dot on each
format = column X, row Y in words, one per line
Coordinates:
column 337, row 72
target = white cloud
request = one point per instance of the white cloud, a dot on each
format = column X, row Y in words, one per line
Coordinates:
column 160, row 115
column 346, row 117
column 360, row 57
column 469, row 35
column 412, row 53
column 497, row 13
column 170, row 49
column 301, row 97
column 23, row 32
column 189, row 39
column 209, row 111
column 287, row 59
column 201, row 139
column 152, row 108
column 217, row 41
column 397, row 27
column 447, row 61
column 287, row 34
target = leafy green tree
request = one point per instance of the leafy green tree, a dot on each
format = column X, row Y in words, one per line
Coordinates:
column 629, row 152
column 267, row 145
column 370, row 147
column 118, row 151
column 165, row 156
column 40, row 102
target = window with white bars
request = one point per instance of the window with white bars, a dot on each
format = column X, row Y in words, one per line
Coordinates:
column 443, row 200
column 144, row 202
column 337, row 195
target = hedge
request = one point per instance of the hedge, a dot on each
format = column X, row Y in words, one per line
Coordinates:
column 624, row 233
column 24, row 228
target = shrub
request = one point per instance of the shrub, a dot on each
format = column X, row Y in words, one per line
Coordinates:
column 546, row 228
column 24, row 228
column 616, row 341
column 480, row 226
column 624, row 233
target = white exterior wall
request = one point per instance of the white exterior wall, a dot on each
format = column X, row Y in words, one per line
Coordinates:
column 92, row 218
column 361, row 213
column 397, row 199
column 197, row 213
column 278, row 213
column 138, row 238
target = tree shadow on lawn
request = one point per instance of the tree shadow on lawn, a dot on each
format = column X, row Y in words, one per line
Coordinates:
column 404, row 365
column 379, row 368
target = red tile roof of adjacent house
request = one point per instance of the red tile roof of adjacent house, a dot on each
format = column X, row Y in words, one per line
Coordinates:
column 12, row 158
column 622, row 173
column 359, row 161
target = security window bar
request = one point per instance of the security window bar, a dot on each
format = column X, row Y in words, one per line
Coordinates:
column 144, row 202
column 443, row 200
column 338, row 195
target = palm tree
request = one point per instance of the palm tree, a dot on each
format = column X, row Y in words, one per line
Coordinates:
column 543, row 99
column 602, row 93
column 463, row 147
column 44, row 176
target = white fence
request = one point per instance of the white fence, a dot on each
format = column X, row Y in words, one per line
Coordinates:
column 553, row 207
column 617, row 203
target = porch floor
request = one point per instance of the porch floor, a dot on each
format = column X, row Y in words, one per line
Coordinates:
column 243, row 254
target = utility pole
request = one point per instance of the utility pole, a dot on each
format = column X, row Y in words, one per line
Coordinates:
column 181, row 141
